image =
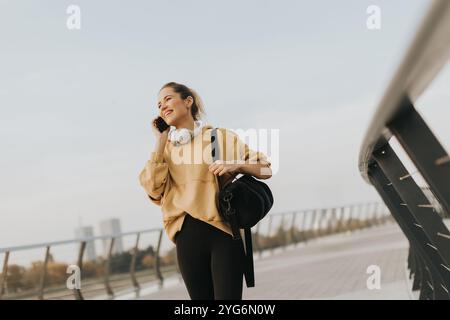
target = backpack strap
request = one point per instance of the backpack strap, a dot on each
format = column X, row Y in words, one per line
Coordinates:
column 248, row 247
column 231, row 213
column 249, row 269
column 215, row 151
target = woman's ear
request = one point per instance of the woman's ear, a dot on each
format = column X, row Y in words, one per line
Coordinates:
column 189, row 101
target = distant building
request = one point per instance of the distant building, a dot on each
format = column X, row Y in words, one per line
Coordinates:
column 83, row 232
column 111, row 227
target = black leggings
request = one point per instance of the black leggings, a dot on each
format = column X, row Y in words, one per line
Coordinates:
column 210, row 261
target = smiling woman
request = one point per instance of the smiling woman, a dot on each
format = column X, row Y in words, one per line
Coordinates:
column 210, row 261
column 176, row 102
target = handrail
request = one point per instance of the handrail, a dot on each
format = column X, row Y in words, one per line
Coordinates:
column 426, row 56
column 75, row 240
column 420, row 211
column 295, row 227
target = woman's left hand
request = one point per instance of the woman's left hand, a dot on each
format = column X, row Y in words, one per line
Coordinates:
column 220, row 167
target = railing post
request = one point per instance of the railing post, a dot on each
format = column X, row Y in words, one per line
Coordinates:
column 329, row 221
column 412, row 226
column 4, row 278
column 366, row 215
column 426, row 292
column 323, row 222
column 322, row 218
column 361, row 211
column 133, row 265
column 410, row 261
column 317, row 220
column 382, row 213
column 339, row 219
column 335, row 216
column 335, row 221
column 370, row 214
column 357, row 216
column 77, row 292
column 416, row 272
column 413, row 197
column 378, row 214
column 355, row 222
column 268, row 234
column 312, row 224
column 44, row 274
column 344, row 219
column 347, row 215
column 108, row 288
column 158, row 260
column 376, row 217
column 304, row 227
column 293, row 231
column 425, row 151
column 349, row 224
column 386, row 215
column 180, row 277
column 283, row 233
column 257, row 239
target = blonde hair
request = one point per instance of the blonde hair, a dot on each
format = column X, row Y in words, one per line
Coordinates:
column 198, row 108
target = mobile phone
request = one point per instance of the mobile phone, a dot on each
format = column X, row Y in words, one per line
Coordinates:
column 161, row 124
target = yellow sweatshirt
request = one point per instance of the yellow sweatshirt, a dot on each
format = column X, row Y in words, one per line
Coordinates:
column 179, row 180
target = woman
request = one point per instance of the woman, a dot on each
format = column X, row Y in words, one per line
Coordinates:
column 210, row 261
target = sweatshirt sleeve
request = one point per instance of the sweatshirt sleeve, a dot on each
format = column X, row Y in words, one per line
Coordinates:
column 251, row 156
column 154, row 176
column 247, row 154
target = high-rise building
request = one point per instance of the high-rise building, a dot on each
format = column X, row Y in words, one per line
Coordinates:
column 111, row 227
column 83, row 232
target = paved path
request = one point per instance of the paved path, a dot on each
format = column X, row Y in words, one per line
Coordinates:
column 333, row 267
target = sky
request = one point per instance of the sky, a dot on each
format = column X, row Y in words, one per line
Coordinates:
column 76, row 105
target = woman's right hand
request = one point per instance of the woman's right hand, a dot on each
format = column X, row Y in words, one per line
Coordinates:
column 161, row 137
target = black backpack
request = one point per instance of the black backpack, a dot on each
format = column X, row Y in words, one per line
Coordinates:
column 242, row 203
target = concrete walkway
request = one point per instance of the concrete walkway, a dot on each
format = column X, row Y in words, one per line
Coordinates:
column 333, row 267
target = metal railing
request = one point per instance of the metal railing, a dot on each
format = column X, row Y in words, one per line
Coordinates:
column 280, row 230
column 277, row 230
column 420, row 211
column 100, row 284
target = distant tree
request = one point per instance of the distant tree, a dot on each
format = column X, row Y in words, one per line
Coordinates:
column 56, row 273
column 14, row 278
column 33, row 274
column 91, row 269
column 169, row 258
column 120, row 262
column 148, row 261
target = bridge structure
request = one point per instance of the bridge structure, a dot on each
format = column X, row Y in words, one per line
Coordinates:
column 418, row 198
column 148, row 263
column 395, row 249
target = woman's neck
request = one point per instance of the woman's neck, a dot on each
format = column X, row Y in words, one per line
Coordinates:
column 187, row 123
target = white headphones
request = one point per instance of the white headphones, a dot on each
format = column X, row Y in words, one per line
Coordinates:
column 184, row 135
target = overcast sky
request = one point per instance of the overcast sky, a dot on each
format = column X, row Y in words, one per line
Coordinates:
column 76, row 105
